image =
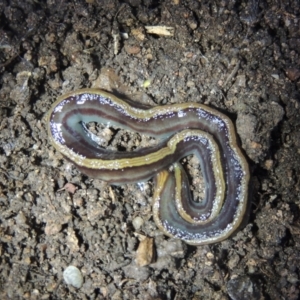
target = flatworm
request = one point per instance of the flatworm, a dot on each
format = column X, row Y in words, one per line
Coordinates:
column 182, row 129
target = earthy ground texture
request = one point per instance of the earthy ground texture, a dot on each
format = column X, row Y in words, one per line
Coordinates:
column 241, row 57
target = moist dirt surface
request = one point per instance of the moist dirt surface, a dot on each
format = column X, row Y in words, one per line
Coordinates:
column 240, row 57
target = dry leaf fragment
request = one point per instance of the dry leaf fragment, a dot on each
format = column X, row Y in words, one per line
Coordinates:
column 132, row 49
column 160, row 30
column 145, row 252
column 138, row 33
column 255, row 145
column 69, row 187
column 293, row 73
column 52, row 228
column 54, row 224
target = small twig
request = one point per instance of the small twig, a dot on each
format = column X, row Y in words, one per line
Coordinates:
column 233, row 73
column 116, row 33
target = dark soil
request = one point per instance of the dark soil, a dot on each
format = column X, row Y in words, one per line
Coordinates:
column 241, row 57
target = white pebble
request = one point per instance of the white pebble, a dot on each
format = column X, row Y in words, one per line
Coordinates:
column 73, row 276
column 137, row 223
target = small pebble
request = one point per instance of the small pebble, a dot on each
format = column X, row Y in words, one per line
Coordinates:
column 137, row 223
column 73, row 276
